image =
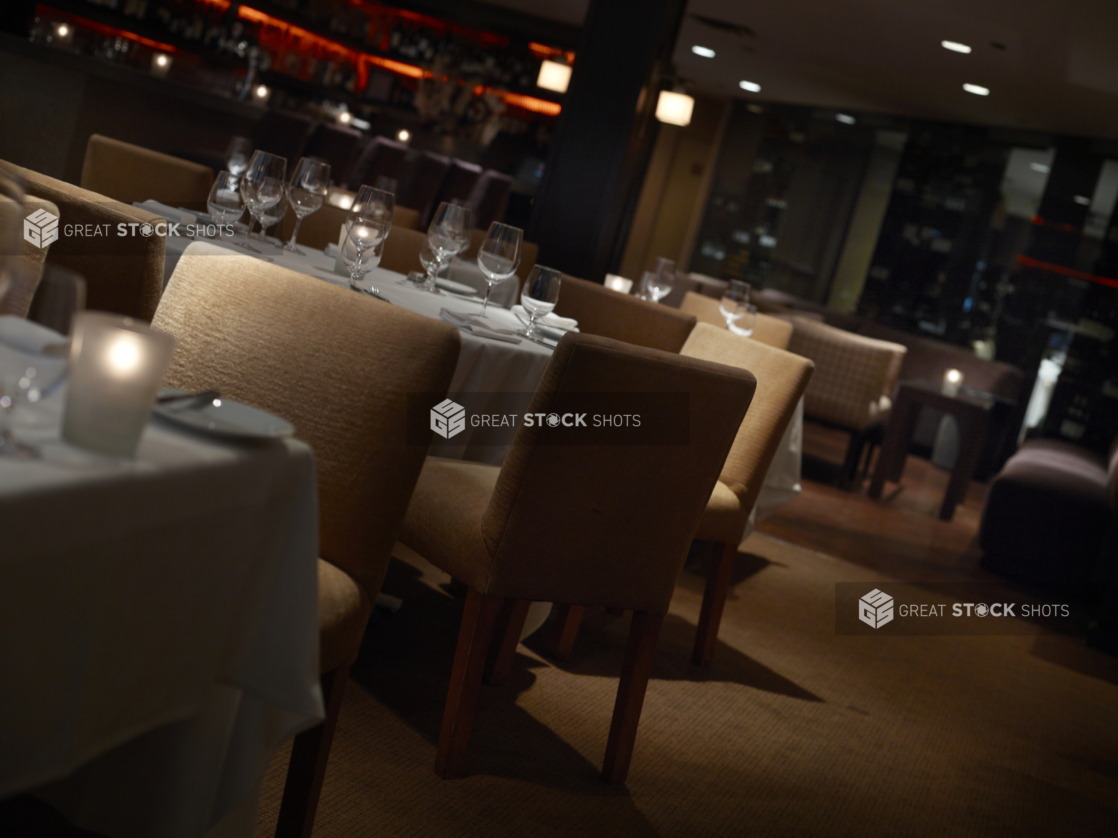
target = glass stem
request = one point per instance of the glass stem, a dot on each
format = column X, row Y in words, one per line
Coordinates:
column 485, row 304
column 295, row 232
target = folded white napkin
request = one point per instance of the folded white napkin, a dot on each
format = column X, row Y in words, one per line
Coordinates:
column 175, row 216
column 473, row 325
column 567, row 324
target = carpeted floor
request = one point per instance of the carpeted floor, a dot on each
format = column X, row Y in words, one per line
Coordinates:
column 794, row 731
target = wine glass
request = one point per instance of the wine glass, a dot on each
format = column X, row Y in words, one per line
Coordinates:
column 237, row 155
column 366, row 228
column 499, row 256
column 306, row 193
column 34, row 356
column 225, row 202
column 448, row 234
column 375, row 204
column 735, row 308
column 360, row 262
column 262, row 186
column 539, row 296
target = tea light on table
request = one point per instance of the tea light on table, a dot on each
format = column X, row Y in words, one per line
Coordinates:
column 618, row 283
column 116, row 367
column 951, row 381
column 160, row 64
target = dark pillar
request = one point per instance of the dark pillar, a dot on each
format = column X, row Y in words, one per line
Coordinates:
column 604, row 135
column 16, row 17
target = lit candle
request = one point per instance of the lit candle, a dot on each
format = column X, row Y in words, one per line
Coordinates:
column 951, row 381
column 116, row 367
column 160, row 64
column 618, row 283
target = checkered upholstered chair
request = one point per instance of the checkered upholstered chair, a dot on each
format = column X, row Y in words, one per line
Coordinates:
column 130, row 174
column 269, row 337
column 770, row 330
column 853, row 384
column 574, row 524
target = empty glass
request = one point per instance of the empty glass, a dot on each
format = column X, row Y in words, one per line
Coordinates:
column 448, row 234
column 499, row 256
column 539, row 296
column 34, row 359
column 225, row 202
column 657, row 283
column 360, row 260
column 741, row 317
column 375, row 204
column 237, row 155
column 262, row 186
column 306, row 192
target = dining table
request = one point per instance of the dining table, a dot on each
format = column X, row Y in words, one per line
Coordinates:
column 158, row 621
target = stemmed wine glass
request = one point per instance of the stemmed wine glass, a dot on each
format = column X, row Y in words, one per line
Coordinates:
column 368, row 225
column 306, row 192
column 657, row 283
column 499, row 256
column 34, row 357
column 736, row 309
column 539, row 296
column 237, row 155
column 262, row 187
column 448, row 234
column 225, row 203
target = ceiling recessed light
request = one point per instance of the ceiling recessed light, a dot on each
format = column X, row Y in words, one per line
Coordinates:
column 845, row 118
column 976, row 89
column 751, row 86
column 705, row 52
column 955, row 46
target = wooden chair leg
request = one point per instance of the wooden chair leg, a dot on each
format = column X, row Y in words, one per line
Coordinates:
column 567, row 619
column 506, row 637
column 643, row 632
column 307, row 768
column 714, row 600
column 478, row 618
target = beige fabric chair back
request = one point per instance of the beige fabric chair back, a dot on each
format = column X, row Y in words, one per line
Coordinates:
column 405, row 218
column 854, row 376
column 130, row 173
column 123, row 274
column 401, row 250
column 610, row 524
column 601, row 311
column 19, row 294
column 768, row 330
column 336, row 364
column 782, row 379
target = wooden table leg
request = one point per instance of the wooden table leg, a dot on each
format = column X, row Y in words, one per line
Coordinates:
column 894, row 448
column 972, row 436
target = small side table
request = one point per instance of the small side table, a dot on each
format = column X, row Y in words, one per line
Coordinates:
column 971, row 410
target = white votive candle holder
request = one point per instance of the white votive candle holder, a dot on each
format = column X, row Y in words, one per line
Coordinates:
column 116, row 367
column 618, row 283
column 951, row 381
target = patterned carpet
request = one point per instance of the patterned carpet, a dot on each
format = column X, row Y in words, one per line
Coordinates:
column 794, row 731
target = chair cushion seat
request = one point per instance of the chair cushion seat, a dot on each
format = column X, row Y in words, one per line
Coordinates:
column 343, row 611
column 724, row 519
column 443, row 522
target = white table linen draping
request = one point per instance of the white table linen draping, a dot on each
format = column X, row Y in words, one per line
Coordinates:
column 158, row 624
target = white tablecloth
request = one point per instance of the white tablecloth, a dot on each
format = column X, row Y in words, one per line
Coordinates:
column 158, row 624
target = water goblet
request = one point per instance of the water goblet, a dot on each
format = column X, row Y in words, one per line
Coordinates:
column 539, row 296
column 499, row 256
column 306, row 192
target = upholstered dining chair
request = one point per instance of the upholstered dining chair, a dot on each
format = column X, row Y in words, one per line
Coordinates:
column 269, row 337
column 781, row 380
column 16, row 299
column 768, row 329
column 123, row 274
column 853, row 385
column 130, row 173
column 603, row 311
column 578, row 524
column 401, row 250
